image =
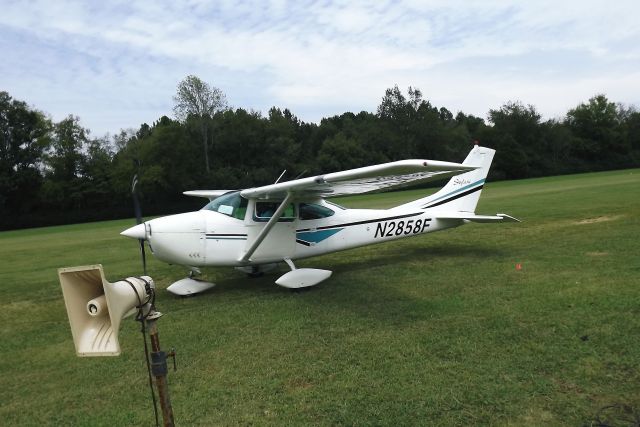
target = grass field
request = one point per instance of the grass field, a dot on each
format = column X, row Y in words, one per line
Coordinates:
column 440, row 329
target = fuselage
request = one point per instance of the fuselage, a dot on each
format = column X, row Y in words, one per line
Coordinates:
column 220, row 236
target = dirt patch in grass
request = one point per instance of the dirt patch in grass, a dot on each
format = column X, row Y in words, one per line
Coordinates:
column 597, row 219
column 597, row 254
column 297, row 384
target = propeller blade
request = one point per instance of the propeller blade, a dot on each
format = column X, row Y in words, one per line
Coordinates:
column 144, row 257
column 136, row 203
column 138, row 213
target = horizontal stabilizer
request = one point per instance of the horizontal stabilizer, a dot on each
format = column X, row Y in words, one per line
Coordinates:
column 468, row 216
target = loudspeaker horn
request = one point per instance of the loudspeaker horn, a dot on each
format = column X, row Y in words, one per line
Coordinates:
column 96, row 307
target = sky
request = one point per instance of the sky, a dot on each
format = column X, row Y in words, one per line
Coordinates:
column 116, row 64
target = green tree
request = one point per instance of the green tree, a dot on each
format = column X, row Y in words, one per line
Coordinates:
column 197, row 98
column 339, row 153
column 24, row 137
column 241, row 153
column 415, row 127
column 282, row 133
column 95, row 170
column 556, row 146
column 517, row 136
column 631, row 134
column 598, row 133
column 393, row 105
column 63, row 162
column 162, row 155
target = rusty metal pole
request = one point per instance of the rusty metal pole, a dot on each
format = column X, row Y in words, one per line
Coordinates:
column 159, row 369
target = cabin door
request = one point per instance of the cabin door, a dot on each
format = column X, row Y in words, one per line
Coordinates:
column 281, row 240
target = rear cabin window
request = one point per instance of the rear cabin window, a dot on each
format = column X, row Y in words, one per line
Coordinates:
column 231, row 204
column 265, row 210
column 313, row 211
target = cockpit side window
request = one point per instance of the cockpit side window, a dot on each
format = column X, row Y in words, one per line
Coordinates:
column 265, row 210
column 313, row 211
column 231, row 204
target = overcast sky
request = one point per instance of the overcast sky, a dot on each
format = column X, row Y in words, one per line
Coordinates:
column 116, row 64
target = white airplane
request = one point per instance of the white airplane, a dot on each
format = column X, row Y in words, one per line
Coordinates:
column 257, row 228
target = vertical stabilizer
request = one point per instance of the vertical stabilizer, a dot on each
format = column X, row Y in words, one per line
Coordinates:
column 462, row 192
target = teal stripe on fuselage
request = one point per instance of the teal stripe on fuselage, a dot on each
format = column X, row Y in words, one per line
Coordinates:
column 317, row 236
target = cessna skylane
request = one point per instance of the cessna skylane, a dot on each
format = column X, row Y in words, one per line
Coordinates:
column 257, row 228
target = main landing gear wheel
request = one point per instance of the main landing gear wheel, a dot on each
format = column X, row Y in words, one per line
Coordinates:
column 255, row 272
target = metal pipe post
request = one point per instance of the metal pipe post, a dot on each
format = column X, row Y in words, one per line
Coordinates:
column 159, row 371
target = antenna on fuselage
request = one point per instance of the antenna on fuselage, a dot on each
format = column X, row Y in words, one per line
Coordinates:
column 280, row 177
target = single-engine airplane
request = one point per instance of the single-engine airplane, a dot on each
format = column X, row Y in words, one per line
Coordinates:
column 257, row 228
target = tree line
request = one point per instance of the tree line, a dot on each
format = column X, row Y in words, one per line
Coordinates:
column 56, row 173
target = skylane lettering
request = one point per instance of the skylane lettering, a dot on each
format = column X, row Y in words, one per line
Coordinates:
column 402, row 227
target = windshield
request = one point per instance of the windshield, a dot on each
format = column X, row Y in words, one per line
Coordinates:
column 231, row 204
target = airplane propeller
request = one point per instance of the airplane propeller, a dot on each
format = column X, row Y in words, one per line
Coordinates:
column 138, row 213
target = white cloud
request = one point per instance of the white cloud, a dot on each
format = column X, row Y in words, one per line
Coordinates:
column 117, row 64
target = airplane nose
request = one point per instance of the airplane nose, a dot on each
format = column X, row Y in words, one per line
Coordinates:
column 136, row 232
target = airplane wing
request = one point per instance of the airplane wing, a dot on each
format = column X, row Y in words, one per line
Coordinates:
column 208, row 194
column 469, row 216
column 361, row 180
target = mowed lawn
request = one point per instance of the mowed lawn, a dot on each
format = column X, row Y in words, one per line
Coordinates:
column 440, row 329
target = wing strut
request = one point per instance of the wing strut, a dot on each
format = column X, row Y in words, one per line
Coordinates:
column 268, row 226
